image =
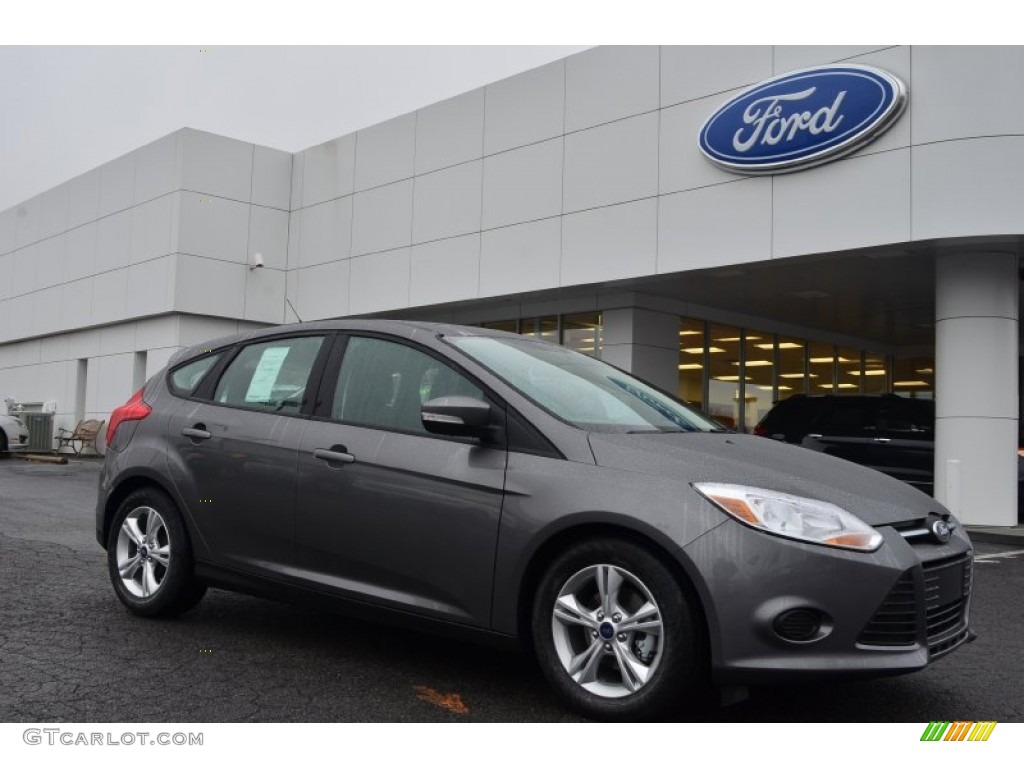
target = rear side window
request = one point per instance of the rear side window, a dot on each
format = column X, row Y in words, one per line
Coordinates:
column 272, row 375
column 384, row 384
column 186, row 378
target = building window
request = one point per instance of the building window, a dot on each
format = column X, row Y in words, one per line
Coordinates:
column 914, row 377
column 758, row 377
column 821, row 359
column 511, row 326
column 691, row 362
column 545, row 328
column 724, row 374
column 583, row 333
column 792, row 367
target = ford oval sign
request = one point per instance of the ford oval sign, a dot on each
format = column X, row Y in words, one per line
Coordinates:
column 802, row 119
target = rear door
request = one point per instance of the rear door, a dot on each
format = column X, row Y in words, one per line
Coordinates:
column 233, row 449
column 387, row 512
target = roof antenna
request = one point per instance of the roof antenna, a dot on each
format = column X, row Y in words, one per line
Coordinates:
column 293, row 308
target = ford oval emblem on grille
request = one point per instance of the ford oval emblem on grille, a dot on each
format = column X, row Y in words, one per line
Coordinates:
column 802, row 119
column 941, row 531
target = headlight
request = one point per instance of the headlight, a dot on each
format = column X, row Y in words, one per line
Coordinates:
column 792, row 516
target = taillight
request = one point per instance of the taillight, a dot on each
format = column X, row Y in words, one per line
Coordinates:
column 760, row 430
column 134, row 410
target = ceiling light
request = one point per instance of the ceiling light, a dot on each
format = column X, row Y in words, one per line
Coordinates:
column 690, row 367
column 910, row 383
column 690, row 333
column 781, row 345
column 755, row 363
column 925, row 370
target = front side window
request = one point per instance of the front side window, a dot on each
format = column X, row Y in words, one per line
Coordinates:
column 272, row 375
column 581, row 390
column 384, row 384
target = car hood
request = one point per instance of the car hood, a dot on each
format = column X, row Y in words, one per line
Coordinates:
column 763, row 463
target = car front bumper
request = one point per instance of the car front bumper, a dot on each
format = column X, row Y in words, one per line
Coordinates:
column 888, row 612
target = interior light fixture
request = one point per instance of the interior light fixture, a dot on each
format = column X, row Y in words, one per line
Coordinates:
column 690, row 366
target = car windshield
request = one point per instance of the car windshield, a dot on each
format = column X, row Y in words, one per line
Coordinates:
column 581, row 390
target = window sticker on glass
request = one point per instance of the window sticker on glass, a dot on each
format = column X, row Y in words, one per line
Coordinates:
column 265, row 375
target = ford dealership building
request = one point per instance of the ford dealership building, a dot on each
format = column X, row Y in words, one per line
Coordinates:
column 736, row 224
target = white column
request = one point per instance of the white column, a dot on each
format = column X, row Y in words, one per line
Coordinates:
column 645, row 343
column 976, row 351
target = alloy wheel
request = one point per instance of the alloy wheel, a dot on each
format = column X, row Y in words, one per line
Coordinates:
column 143, row 552
column 608, row 631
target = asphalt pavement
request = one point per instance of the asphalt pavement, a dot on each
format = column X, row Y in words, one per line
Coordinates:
column 70, row 652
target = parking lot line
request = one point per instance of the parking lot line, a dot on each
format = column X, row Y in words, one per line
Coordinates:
column 995, row 556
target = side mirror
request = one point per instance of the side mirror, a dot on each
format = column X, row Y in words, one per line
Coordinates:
column 456, row 416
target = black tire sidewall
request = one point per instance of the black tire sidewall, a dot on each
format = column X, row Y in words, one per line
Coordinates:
column 178, row 590
column 679, row 670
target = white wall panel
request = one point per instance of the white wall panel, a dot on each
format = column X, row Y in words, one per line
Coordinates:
column 790, row 57
column 26, row 227
column 113, row 383
column 447, row 203
column 523, row 184
column 8, row 227
column 380, row 281
column 25, row 270
column 117, row 339
column 50, row 261
column 156, row 359
column 209, row 287
column 75, row 309
column 520, row 258
column 156, row 169
column 6, row 276
column 113, row 241
column 694, row 71
column 610, row 82
column 445, row 270
column 326, row 232
column 45, row 315
column 384, row 152
column 848, row 204
column 298, row 177
column 117, row 184
column 609, row 243
column 80, row 252
column 53, row 211
column 268, row 235
column 84, row 198
column 713, row 226
column 151, row 287
column 151, row 229
column 966, row 91
column 450, row 132
column 264, row 295
column 271, row 177
column 612, row 163
column 325, row 171
column 525, row 108
column 213, row 227
column 968, row 187
column 109, row 297
column 156, row 332
column 323, row 291
column 382, row 218
column 53, row 348
column 682, row 166
column 215, row 165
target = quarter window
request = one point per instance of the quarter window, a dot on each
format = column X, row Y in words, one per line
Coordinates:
column 272, row 375
column 186, row 378
column 384, row 384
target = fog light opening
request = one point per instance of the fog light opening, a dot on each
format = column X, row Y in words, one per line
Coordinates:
column 801, row 625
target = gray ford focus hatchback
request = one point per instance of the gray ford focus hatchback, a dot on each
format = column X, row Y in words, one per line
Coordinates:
column 482, row 482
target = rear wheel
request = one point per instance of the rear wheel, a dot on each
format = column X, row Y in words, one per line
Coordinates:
column 614, row 633
column 149, row 557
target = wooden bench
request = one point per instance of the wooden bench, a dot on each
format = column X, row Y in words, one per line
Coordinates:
column 84, row 434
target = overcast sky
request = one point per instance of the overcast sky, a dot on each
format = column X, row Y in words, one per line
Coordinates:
column 67, row 110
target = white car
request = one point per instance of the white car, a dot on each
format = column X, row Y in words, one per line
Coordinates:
column 13, row 434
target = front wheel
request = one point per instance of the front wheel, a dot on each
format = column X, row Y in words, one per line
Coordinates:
column 614, row 633
column 149, row 558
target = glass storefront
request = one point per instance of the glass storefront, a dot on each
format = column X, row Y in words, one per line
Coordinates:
column 738, row 374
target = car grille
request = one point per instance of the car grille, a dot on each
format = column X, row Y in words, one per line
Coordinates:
column 947, row 589
column 895, row 621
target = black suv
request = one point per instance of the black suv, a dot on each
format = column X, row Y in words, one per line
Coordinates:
column 891, row 434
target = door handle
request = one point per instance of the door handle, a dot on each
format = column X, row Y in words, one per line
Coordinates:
column 882, row 439
column 334, row 456
column 198, row 432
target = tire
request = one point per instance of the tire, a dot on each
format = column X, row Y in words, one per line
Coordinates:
column 3, row 442
column 149, row 542
column 618, row 673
